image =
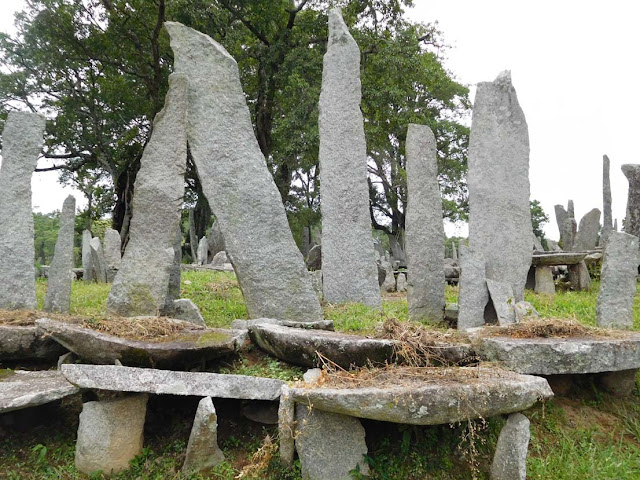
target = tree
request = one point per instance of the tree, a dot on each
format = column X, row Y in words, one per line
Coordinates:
column 538, row 219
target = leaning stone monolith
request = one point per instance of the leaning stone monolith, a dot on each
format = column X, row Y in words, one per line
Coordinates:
column 588, row 231
column 99, row 263
column 88, row 273
column 233, row 171
column 348, row 260
column 561, row 216
column 424, row 234
column 143, row 281
column 607, row 216
column 631, row 223
column 22, row 140
column 500, row 216
column 618, row 283
column 58, row 296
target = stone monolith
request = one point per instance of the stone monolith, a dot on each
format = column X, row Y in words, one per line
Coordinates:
column 22, row 141
column 97, row 257
column 631, row 223
column 193, row 237
column 233, row 171
column 143, row 281
column 203, row 251
column 88, row 274
column 561, row 216
column 607, row 216
column 474, row 294
column 510, row 458
column 588, row 231
column 454, row 252
column 112, row 253
column 348, row 260
column 424, row 234
column 500, row 215
column 58, row 296
column 203, row 451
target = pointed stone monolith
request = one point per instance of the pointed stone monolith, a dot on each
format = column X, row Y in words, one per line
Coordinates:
column 58, row 296
column 88, row 274
column 607, row 217
column 348, row 260
column 424, row 228
column 22, row 141
column 203, row 451
column 588, row 231
column 631, row 223
column 97, row 257
column 233, row 171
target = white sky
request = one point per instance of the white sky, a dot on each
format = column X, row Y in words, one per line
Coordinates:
column 574, row 64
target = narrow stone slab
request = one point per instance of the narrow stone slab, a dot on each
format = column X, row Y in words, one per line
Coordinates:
column 510, row 458
column 190, row 345
column 203, row 251
column 607, row 216
column 474, row 294
column 544, row 281
column 236, row 180
column 632, row 220
column 22, row 140
column 286, row 426
column 23, row 389
column 618, row 283
column 348, row 261
column 503, row 301
column 424, row 228
column 58, row 296
column 27, row 343
column 99, row 263
column 557, row 258
column 203, row 451
column 88, row 273
column 247, row 324
column 438, row 401
column 588, row 231
column 579, row 276
column 561, row 218
column 498, row 179
column 112, row 244
column 167, row 382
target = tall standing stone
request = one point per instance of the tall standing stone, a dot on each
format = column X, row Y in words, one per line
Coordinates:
column 619, row 278
column 570, row 209
column 348, row 260
column 142, row 285
column 474, row 294
column 112, row 253
column 588, row 232
column 88, row 274
column 424, row 228
column 615, row 225
column 631, row 223
column 99, row 263
column 58, row 297
column 233, row 171
column 500, row 216
column 193, row 238
column 561, row 216
column 203, row 251
column 22, row 140
column 569, row 234
column 454, row 251
column 607, row 218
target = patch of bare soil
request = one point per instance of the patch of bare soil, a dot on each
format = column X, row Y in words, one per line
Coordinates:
column 553, row 328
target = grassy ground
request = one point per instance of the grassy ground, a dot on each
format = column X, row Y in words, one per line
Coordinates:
column 588, row 435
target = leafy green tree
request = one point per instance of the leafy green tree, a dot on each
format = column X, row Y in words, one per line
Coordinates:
column 538, row 219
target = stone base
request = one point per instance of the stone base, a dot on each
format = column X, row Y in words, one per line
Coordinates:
column 619, row 384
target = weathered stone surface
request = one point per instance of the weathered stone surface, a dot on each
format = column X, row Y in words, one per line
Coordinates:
column 247, row 324
column 632, row 221
column 401, row 283
column 424, row 227
column 286, row 426
column 185, row 309
column 588, row 232
column 544, row 281
column 219, row 259
column 329, row 445
column 579, row 276
column 99, row 263
column 615, row 224
column 58, row 296
column 175, row 273
column 561, row 217
column 142, row 284
column 593, row 258
column 553, row 356
column 499, row 212
column 260, row 411
column 503, row 301
column 23, row 389
column 112, row 253
column 433, row 402
column 316, row 282
column 397, row 252
column 110, row 434
column 27, row 343
column 348, row 261
column 190, row 345
column 238, row 184
column 510, row 458
column 202, row 450
column 314, row 258
column 557, row 258
column 22, row 140
column 537, row 244
column 524, row 310
column 203, row 251
column 389, row 281
column 619, row 278
column 474, row 294
column 570, row 209
column 607, row 217
column 570, row 232
column 167, row 382
column 88, row 274
column 620, row 384
column 215, row 240
column 193, row 237
column 454, row 252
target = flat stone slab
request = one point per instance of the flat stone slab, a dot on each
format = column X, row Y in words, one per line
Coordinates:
column 23, row 389
column 168, row 382
column 553, row 356
column 27, row 343
column 435, row 400
column 189, row 345
column 554, row 258
column 315, row 325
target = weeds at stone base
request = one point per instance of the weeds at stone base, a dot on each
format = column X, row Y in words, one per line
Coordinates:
column 553, row 328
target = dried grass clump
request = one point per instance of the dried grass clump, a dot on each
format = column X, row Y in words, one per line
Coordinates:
column 260, row 460
column 27, row 318
column 142, row 328
column 553, row 328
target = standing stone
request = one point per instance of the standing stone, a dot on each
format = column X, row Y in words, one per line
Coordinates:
column 454, row 252
column 474, row 294
column 143, row 285
column 314, row 258
column 544, row 280
column 561, row 217
column 348, row 266
column 202, row 450
column 175, row 273
column 305, row 245
column 88, row 274
column 286, row 425
column 203, row 251
column 99, row 263
column 220, row 259
column 587, row 236
column 569, row 233
column 233, row 171
column 537, row 244
column 110, row 434
column 22, row 140
column 215, row 240
column 570, row 209
column 618, row 285
column 615, row 225
column 424, row 228
column 510, row 458
column 607, row 218
column 500, row 215
column 329, row 445
column 502, row 298
column 396, row 250
column 401, row 284
column 193, row 238
column 112, row 253
column 389, row 282
column 58, row 296
column 579, row 276
column 631, row 223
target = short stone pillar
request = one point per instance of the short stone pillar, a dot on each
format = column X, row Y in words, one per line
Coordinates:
column 510, row 458
column 544, row 280
column 202, row 450
column 579, row 276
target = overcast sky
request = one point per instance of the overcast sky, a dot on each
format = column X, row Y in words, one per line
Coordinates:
column 575, row 67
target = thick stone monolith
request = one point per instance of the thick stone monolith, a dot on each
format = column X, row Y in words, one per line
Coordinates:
column 88, row 274
column 500, row 215
column 143, row 281
column 203, row 451
column 614, row 308
column 112, row 253
column 234, row 173
column 348, row 260
column 424, row 233
column 99, row 263
column 631, row 223
column 588, row 231
column 22, row 141
column 607, row 216
column 474, row 294
column 510, row 458
column 58, row 296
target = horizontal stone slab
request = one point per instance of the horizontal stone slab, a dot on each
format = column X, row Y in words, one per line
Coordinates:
column 23, row 389
column 27, row 343
column 555, row 258
column 168, row 382
column 435, row 400
column 315, row 325
column 189, row 345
